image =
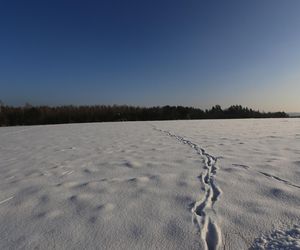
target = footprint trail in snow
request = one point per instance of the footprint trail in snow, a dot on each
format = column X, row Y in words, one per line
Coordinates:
column 204, row 215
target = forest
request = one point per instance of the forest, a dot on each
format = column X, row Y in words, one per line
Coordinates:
column 38, row 115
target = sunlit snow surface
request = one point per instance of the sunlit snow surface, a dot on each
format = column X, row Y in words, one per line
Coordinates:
column 215, row 184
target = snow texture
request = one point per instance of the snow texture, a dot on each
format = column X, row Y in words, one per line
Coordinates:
column 215, row 184
column 279, row 239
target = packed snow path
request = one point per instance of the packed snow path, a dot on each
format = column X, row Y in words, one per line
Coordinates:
column 203, row 210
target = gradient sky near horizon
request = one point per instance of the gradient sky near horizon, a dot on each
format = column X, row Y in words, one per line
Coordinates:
column 155, row 52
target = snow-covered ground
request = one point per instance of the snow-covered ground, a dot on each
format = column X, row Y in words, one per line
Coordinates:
column 215, row 184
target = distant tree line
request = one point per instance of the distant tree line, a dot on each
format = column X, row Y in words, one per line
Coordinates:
column 35, row 115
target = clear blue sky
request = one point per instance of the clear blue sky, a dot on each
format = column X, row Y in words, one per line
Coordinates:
column 155, row 52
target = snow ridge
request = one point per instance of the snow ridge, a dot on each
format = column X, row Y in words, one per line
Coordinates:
column 274, row 177
column 204, row 215
column 279, row 179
